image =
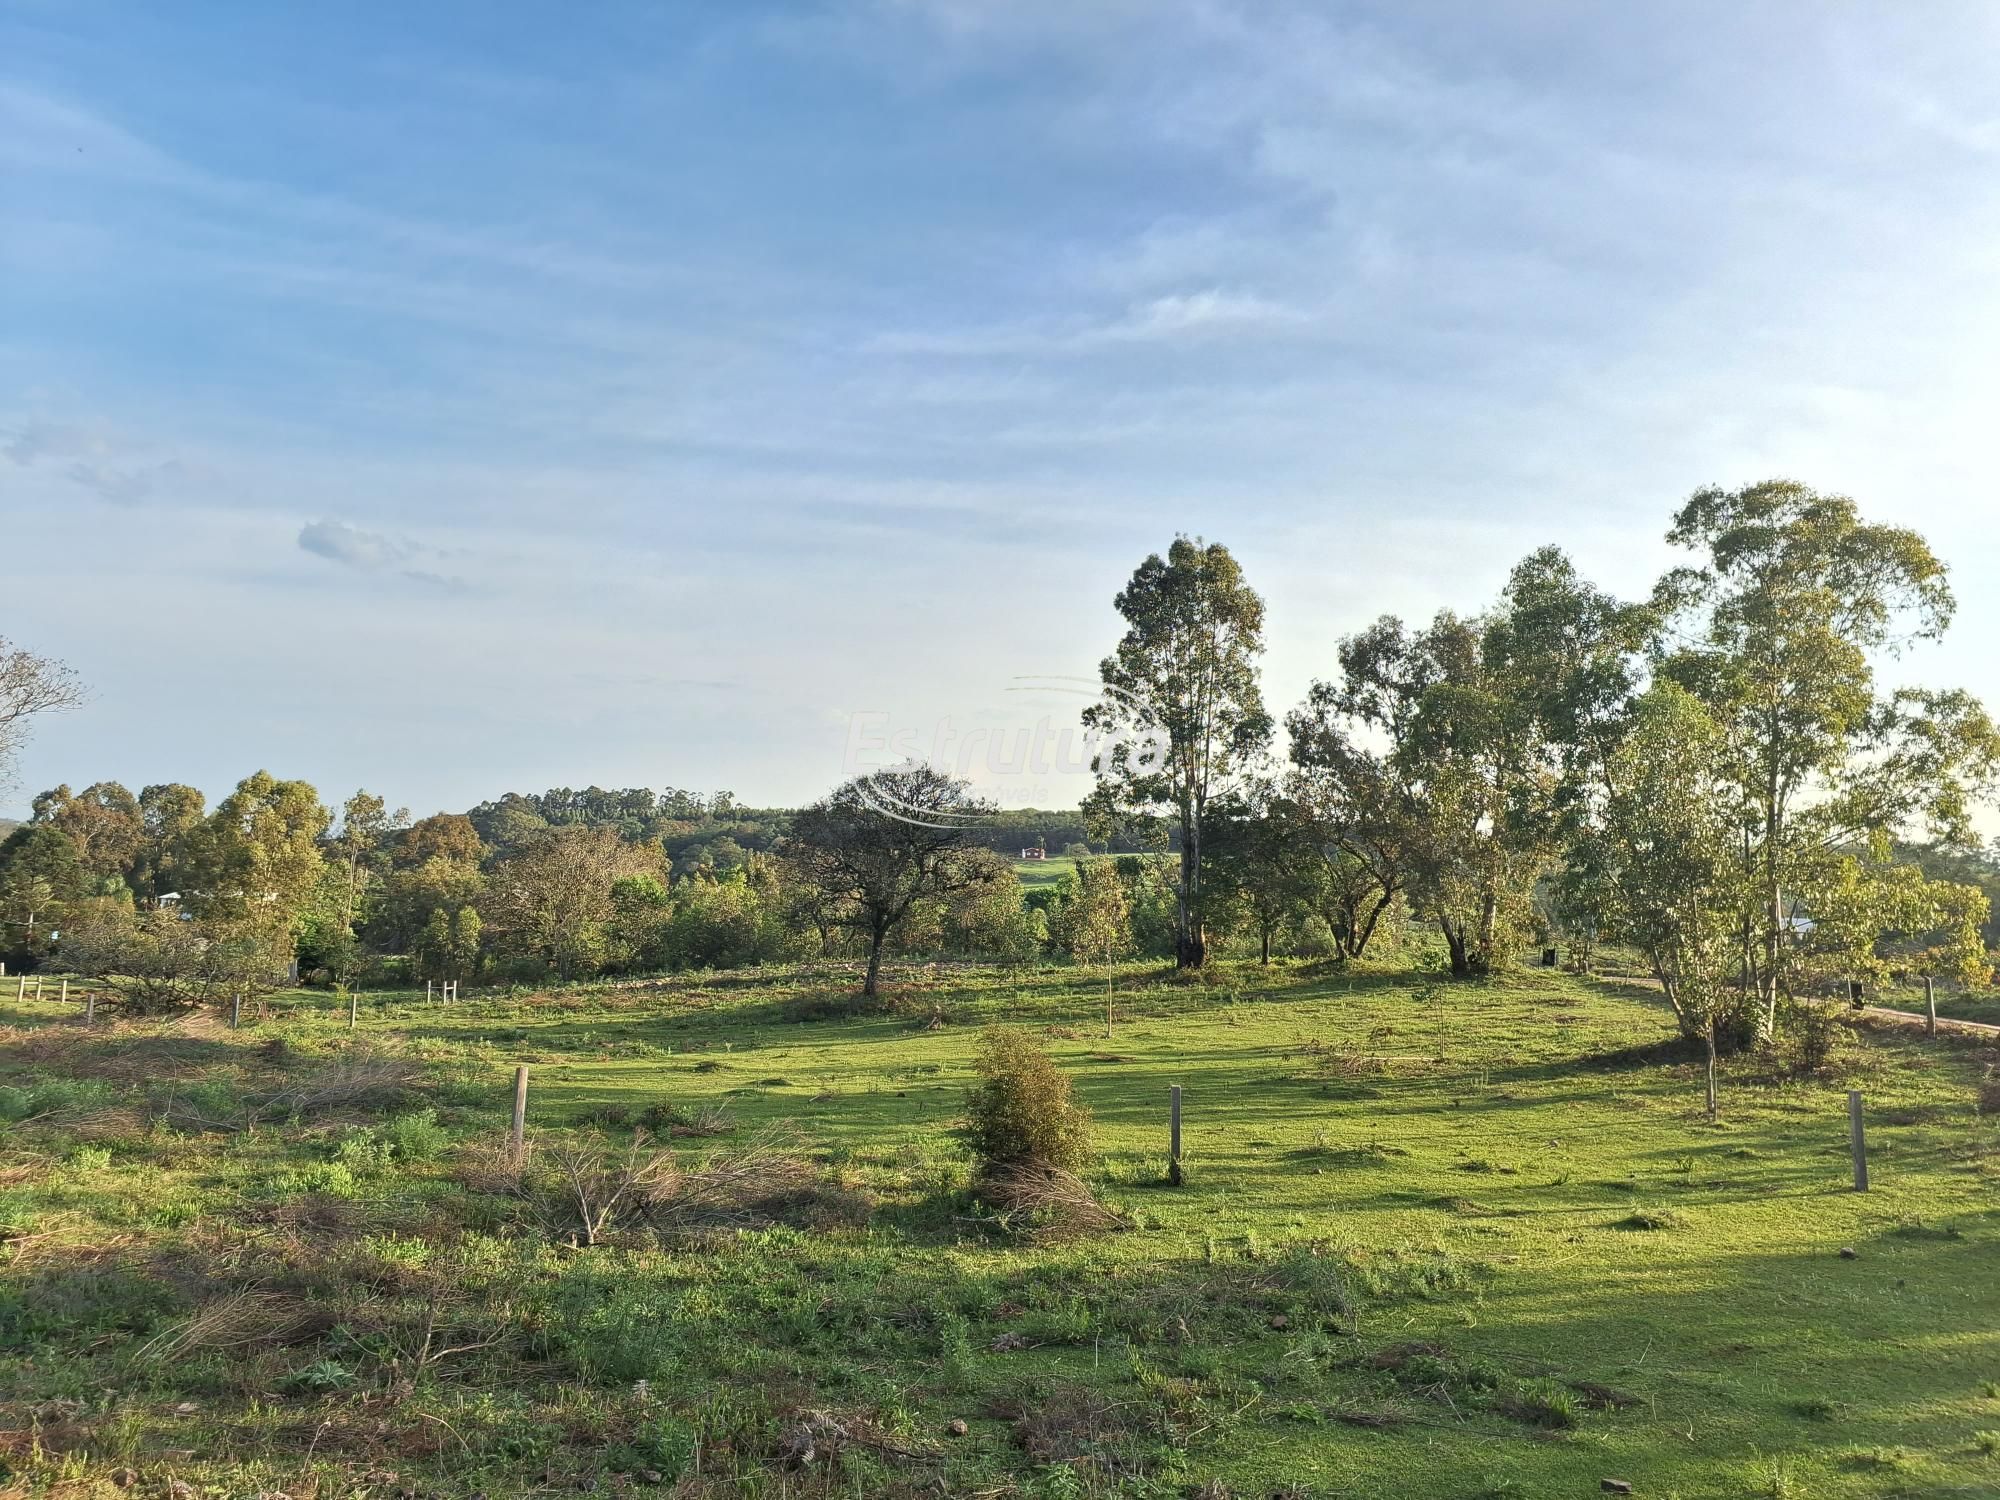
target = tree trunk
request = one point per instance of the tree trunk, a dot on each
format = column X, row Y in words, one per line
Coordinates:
column 1343, row 935
column 1774, row 907
column 1454, row 938
column 1366, row 930
column 1267, row 944
column 1192, row 951
column 874, row 962
column 1708, row 1036
column 1189, row 948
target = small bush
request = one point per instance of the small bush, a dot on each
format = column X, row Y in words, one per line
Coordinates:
column 416, row 1137
column 1811, row 1037
column 362, row 1151
column 1021, row 1114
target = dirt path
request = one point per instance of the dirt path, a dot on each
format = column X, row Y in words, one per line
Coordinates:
column 1945, row 1023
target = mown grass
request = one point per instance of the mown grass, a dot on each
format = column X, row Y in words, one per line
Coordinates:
column 1035, row 873
column 1484, row 1246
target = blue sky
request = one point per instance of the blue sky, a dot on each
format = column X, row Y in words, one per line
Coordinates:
column 445, row 400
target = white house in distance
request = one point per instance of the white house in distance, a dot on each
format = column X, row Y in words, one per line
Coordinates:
column 1035, row 853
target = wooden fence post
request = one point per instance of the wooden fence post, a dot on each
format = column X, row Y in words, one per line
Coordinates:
column 1174, row 1135
column 235, row 1011
column 90, row 1007
column 519, row 1143
column 1930, row 1005
column 1858, row 1140
column 353, row 1009
column 427, row 991
column 38, row 986
column 20, row 987
column 64, row 996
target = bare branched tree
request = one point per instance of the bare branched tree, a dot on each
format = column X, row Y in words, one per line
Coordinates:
column 30, row 685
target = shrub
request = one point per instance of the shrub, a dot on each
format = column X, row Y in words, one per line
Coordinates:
column 1811, row 1037
column 1020, row 1113
column 416, row 1137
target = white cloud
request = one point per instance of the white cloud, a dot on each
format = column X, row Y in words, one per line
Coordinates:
column 373, row 552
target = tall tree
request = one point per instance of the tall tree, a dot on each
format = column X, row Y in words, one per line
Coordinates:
column 1775, row 631
column 1359, row 817
column 1268, row 865
column 103, row 824
column 550, row 896
column 170, row 822
column 30, row 686
column 1460, row 787
column 365, row 826
column 258, row 861
column 445, row 835
column 1182, row 707
column 39, row 875
column 882, row 843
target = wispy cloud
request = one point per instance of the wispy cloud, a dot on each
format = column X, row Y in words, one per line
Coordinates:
column 1209, row 313
column 108, row 465
column 373, row 552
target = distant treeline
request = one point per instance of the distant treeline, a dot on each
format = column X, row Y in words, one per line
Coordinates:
column 712, row 831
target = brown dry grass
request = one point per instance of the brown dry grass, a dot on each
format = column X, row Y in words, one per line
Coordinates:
column 1046, row 1204
column 238, row 1320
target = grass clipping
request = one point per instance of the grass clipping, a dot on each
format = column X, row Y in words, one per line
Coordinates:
column 586, row 1191
column 1046, row 1204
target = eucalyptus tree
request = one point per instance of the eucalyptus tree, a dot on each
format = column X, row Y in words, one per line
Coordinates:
column 1181, row 710
column 1777, row 629
column 170, row 821
column 1358, row 818
column 255, row 862
column 102, row 822
column 365, row 826
column 1665, row 846
column 1268, row 862
column 1431, row 767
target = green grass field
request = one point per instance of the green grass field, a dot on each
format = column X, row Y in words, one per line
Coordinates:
column 1455, row 1241
column 1035, row 873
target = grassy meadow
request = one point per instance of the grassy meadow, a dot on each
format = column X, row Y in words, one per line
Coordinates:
column 1034, row 874
column 1435, row 1241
